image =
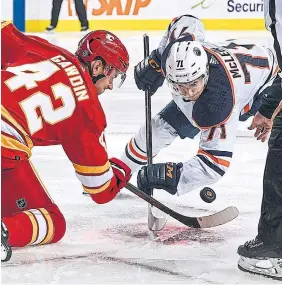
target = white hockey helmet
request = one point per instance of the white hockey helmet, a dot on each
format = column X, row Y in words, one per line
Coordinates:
column 186, row 62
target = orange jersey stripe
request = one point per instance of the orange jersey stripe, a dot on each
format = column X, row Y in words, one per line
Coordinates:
column 276, row 70
column 6, row 115
column 97, row 190
column 4, row 24
column 247, row 108
column 12, row 143
column 49, row 225
column 81, row 169
column 215, row 159
column 35, row 227
column 135, row 152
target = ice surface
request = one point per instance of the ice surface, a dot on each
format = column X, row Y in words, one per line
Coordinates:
column 111, row 244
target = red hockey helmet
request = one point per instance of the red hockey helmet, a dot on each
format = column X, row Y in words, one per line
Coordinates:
column 105, row 45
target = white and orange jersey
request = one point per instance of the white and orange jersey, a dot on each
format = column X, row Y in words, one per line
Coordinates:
column 238, row 74
column 181, row 26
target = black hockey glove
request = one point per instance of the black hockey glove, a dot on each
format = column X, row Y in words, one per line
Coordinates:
column 160, row 176
column 148, row 73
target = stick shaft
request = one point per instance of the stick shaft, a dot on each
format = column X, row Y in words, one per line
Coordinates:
column 148, row 109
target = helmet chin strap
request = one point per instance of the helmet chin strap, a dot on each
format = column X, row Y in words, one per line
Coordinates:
column 96, row 78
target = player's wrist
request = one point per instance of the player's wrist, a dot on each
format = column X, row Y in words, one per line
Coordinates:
column 266, row 111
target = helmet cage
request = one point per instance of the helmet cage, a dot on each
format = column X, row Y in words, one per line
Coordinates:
column 176, row 86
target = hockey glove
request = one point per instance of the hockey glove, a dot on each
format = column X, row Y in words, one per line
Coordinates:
column 122, row 174
column 148, row 74
column 160, row 176
column 121, row 171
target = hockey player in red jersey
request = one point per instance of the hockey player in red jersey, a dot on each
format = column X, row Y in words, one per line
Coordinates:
column 48, row 98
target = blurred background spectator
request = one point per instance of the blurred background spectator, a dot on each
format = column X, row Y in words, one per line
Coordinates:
column 80, row 10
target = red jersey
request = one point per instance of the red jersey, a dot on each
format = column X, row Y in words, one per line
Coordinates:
column 48, row 98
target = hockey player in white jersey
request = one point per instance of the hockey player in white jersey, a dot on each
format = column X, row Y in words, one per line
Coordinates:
column 212, row 87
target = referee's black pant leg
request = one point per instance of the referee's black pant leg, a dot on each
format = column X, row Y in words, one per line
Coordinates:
column 56, row 8
column 81, row 13
column 270, row 224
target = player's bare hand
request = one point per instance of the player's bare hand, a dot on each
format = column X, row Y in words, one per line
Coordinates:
column 262, row 125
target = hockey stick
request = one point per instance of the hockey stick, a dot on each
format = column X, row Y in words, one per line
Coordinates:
column 154, row 223
column 217, row 219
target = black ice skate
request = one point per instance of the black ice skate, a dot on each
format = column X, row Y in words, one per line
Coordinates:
column 257, row 258
column 84, row 29
column 6, row 251
column 50, row 28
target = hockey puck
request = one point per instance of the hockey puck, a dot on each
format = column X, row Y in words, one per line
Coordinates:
column 208, row 195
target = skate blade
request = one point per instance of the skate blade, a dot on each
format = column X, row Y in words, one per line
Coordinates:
column 269, row 267
column 6, row 253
